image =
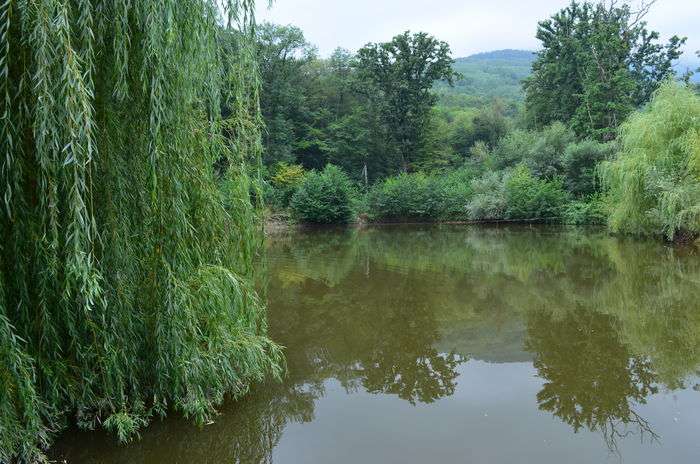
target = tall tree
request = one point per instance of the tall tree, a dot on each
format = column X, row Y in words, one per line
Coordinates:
column 283, row 54
column 126, row 262
column 597, row 64
column 404, row 71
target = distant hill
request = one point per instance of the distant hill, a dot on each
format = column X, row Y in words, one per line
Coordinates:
column 499, row 74
column 486, row 76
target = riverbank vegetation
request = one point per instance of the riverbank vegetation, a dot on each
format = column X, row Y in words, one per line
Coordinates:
column 419, row 147
column 129, row 216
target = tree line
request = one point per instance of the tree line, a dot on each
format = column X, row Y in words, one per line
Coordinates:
column 410, row 155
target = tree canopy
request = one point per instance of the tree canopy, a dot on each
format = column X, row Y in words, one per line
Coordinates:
column 405, row 70
column 126, row 260
column 598, row 63
column 654, row 183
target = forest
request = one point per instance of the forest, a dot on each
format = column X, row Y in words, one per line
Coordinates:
column 402, row 132
column 145, row 144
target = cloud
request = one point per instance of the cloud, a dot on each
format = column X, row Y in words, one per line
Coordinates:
column 469, row 26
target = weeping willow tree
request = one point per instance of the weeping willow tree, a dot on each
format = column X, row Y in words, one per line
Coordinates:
column 128, row 224
column 654, row 184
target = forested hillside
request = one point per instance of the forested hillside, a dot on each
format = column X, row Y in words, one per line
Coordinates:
column 497, row 74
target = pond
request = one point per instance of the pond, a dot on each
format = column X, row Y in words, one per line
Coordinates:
column 422, row 344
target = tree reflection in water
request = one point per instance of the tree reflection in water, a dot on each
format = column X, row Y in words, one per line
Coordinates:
column 606, row 323
column 591, row 379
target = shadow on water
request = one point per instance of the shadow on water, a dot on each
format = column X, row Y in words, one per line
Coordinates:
column 606, row 323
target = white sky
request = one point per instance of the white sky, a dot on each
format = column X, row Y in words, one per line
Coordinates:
column 469, row 26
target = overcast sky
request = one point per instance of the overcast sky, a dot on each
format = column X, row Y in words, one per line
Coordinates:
column 469, row 26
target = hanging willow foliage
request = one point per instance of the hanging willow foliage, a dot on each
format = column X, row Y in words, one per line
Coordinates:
column 126, row 273
column 653, row 185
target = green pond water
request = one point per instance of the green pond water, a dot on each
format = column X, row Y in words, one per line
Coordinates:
column 458, row 344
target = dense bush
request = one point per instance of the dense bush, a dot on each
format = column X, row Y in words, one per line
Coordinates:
column 418, row 197
column 528, row 197
column 488, row 202
column 325, row 197
column 405, row 197
column 542, row 151
column 591, row 210
column 654, row 184
column 545, row 156
column 580, row 162
column 281, row 188
column 512, row 149
column 462, row 196
column 457, row 192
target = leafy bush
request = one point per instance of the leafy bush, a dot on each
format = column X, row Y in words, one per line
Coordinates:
column 545, row 156
column 457, row 192
column 287, row 178
column 488, row 202
column 588, row 211
column 654, row 184
column 419, row 197
column 528, row 197
column 324, row 198
column 513, row 148
column 580, row 163
column 542, row 151
column 405, row 197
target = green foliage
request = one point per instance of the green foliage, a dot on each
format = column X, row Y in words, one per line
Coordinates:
column 545, row 156
column 490, row 125
column 404, row 197
column 580, row 163
column 457, row 192
column 325, row 197
column 592, row 210
column 404, row 71
column 283, row 54
column 598, row 62
column 654, row 184
column 528, row 197
column 487, row 76
column 128, row 228
column 284, row 183
column 467, row 194
column 489, row 197
column 542, row 151
column 511, row 150
column 419, row 197
column 460, row 130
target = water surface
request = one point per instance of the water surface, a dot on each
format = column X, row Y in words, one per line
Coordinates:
column 456, row 344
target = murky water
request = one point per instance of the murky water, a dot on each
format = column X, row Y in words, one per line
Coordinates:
column 454, row 344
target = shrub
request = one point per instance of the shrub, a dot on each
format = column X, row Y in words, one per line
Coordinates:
column 324, row 198
column 588, row 211
column 580, row 164
column 488, row 201
column 513, row 148
column 542, row 151
column 456, row 190
column 654, row 184
column 405, row 197
column 418, row 197
column 545, row 156
column 528, row 197
column 287, row 178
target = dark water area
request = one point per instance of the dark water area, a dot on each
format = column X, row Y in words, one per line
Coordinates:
column 459, row 344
